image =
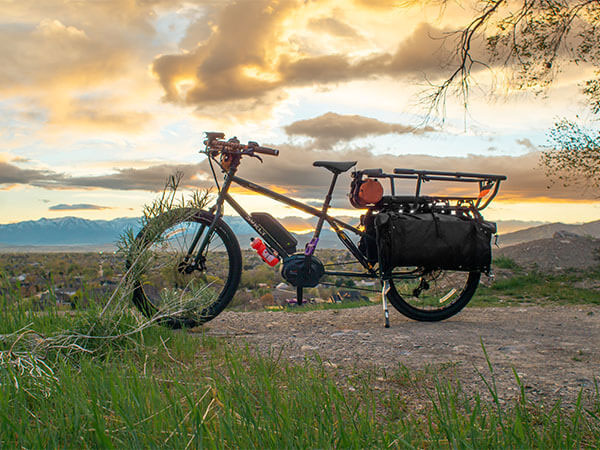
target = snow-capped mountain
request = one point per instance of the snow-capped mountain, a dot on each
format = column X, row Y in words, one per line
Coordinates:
column 74, row 231
column 65, row 231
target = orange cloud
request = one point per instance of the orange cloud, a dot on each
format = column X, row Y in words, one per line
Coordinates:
column 335, row 27
column 53, row 54
column 70, row 61
column 247, row 58
column 293, row 173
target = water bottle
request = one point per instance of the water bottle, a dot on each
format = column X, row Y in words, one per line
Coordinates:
column 264, row 252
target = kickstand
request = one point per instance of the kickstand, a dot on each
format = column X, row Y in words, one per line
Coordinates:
column 384, row 290
column 299, row 295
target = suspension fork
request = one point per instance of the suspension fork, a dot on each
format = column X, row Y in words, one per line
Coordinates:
column 217, row 211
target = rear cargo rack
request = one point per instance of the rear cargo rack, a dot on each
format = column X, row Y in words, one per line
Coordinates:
column 488, row 188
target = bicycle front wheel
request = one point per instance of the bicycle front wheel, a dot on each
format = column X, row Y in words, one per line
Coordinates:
column 166, row 286
column 434, row 296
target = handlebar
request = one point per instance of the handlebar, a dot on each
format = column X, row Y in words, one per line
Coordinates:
column 214, row 142
column 264, row 150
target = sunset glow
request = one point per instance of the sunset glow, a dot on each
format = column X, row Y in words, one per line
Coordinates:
column 101, row 101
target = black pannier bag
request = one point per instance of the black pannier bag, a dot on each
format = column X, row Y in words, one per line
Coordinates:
column 433, row 241
column 367, row 243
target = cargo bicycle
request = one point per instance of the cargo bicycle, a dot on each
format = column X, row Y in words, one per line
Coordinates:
column 427, row 252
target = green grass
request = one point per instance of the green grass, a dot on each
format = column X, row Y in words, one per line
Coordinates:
column 86, row 380
column 160, row 388
column 325, row 306
column 504, row 262
column 541, row 288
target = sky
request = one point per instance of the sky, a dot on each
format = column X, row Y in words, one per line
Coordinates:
column 100, row 101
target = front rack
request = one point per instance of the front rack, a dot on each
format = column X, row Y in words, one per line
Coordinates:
column 488, row 188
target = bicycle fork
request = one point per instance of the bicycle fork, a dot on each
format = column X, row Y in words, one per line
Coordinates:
column 384, row 291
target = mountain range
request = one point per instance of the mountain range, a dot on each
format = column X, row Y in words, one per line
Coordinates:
column 76, row 234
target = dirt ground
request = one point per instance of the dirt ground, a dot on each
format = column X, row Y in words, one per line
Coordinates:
column 554, row 350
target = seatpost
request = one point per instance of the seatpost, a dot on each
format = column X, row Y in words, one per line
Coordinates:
column 310, row 247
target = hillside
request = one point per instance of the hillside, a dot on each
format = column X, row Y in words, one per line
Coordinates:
column 564, row 250
column 547, row 231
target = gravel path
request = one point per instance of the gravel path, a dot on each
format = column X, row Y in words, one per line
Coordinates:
column 554, row 350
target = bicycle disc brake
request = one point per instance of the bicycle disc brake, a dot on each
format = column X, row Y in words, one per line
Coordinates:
column 189, row 267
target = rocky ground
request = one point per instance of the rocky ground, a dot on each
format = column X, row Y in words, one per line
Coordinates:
column 554, row 350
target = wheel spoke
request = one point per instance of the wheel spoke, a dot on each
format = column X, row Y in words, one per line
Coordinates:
column 435, row 295
column 195, row 295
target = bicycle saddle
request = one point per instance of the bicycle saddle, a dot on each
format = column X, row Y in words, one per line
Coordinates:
column 335, row 166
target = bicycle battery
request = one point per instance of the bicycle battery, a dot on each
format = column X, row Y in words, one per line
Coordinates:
column 276, row 230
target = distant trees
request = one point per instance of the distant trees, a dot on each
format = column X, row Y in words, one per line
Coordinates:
column 260, row 274
column 574, row 156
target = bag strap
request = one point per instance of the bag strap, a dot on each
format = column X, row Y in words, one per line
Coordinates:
column 436, row 221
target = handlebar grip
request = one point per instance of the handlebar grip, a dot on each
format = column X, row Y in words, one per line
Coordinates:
column 266, row 151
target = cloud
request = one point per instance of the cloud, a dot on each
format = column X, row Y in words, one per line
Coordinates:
column 293, row 170
column 247, row 58
column 428, row 50
column 237, row 55
column 380, row 4
column 331, row 128
column 525, row 142
column 152, row 178
column 76, row 207
column 334, row 27
column 148, row 179
column 57, row 55
column 51, row 54
column 221, row 68
column 11, row 174
column 98, row 113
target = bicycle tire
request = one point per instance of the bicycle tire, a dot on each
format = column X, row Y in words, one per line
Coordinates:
column 416, row 309
column 215, row 295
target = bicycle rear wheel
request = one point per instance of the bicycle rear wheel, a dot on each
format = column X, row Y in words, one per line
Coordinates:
column 164, row 289
column 434, row 296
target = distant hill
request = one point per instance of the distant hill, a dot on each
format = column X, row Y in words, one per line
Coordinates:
column 547, row 231
column 564, row 250
column 509, row 226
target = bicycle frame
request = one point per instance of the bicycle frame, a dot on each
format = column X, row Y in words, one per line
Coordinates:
column 336, row 224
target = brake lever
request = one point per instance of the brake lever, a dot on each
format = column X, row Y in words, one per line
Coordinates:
column 250, row 152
